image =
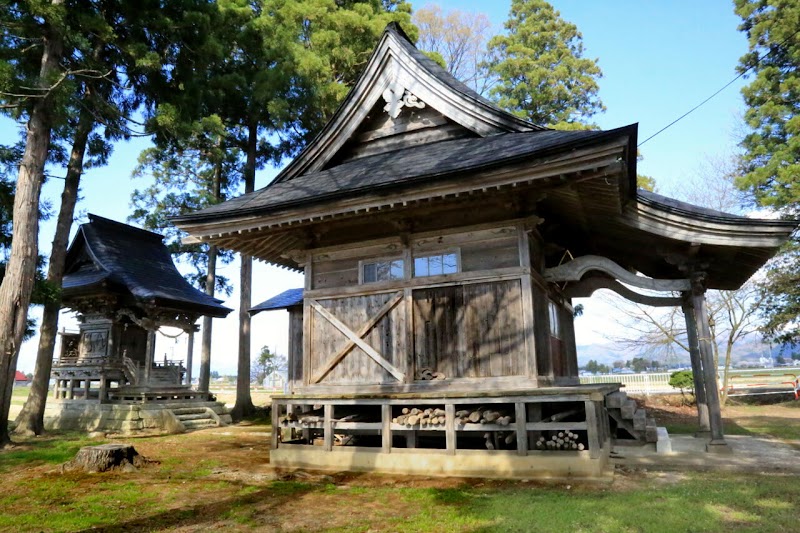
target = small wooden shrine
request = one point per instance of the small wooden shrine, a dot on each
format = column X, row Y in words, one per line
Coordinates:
column 442, row 241
column 124, row 286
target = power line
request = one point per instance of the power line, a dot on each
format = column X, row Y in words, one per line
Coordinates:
column 757, row 61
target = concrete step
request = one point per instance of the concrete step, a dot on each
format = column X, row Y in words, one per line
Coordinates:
column 628, row 409
column 615, row 400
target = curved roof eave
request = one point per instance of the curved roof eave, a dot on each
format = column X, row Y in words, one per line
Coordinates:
column 678, row 220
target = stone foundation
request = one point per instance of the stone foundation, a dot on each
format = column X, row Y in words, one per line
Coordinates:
column 128, row 419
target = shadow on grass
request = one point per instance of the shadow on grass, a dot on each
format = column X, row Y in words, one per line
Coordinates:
column 53, row 448
column 266, row 500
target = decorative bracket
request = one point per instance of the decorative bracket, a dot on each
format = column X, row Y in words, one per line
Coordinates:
column 397, row 97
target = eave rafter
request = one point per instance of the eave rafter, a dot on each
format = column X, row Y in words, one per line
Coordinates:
column 580, row 165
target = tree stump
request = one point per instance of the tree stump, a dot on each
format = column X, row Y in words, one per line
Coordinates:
column 106, row 457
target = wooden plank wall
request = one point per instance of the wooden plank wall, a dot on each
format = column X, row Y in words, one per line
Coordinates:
column 474, row 330
column 295, row 370
column 413, row 126
column 479, row 250
column 387, row 337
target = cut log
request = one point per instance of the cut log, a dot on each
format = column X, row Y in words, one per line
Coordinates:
column 106, row 457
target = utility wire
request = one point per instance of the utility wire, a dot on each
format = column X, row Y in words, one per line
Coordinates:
column 757, row 61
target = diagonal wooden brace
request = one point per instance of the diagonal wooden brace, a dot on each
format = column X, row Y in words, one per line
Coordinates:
column 357, row 340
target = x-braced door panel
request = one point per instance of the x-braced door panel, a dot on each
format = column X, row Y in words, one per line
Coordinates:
column 359, row 339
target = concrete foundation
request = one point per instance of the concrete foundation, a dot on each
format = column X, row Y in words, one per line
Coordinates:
column 437, row 463
column 128, row 419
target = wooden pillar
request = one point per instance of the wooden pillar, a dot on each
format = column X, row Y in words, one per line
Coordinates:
column 386, row 428
column 717, row 442
column 71, row 391
column 87, row 384
column 592, row 429
column 148, row 356
column 275, row 425
column 189, row 356
column 521, row 421
column 56, row 389
column 528, row 321
column 450, row 428
column 103, row 389
column 327, row 431
column 697, row 367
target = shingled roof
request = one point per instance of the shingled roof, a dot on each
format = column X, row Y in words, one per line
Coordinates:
column 284, row 300
column 401, row 168
column 106, row 253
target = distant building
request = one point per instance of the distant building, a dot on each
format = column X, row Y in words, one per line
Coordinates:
column 21, row 380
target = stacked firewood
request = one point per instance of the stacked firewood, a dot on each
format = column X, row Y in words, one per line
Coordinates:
column 482, row 415
column 563, row 440
column 421, row 417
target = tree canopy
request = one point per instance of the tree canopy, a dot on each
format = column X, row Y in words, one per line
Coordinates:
column 541, row 72
column 771, row 148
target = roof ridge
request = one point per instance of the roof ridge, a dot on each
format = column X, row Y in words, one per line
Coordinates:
column 121, row 226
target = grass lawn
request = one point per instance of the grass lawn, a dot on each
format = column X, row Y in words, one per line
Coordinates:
column 220, row 479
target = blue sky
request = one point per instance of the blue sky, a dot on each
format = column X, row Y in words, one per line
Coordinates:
column 659, row 59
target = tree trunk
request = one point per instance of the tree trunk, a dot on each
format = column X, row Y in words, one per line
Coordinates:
column 204, row 377
column 244, row 403
column 17, row 285
column 31, row 419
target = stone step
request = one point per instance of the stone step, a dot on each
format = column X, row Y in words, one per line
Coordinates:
column 651, row 430
column 640, row 420
column 615, row 400
column 189, row 411
column 196, row 416
column 199, row 424
column 628, row 409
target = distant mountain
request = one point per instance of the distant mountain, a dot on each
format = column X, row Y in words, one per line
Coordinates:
column 751, row 349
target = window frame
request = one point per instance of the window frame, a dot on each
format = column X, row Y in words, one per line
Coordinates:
column 363, row 262
column 433, row 253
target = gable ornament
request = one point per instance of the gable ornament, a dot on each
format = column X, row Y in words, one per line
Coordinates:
column 397, row 97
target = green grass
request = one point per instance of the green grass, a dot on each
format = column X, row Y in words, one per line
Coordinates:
column 55, row 450
column 702, row 502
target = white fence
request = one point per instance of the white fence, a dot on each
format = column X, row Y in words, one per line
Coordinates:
column 635, row 383
column 658, row 383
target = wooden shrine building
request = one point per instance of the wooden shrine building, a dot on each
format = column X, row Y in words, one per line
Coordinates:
column 442, row 240
column 124, row 286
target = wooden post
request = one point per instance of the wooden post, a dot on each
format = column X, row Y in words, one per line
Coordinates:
column 275, row 425
column 386, row 429
column 526, row 287
column 56, row 389
column 148, row 356
column 189, row 356
column 103, row 389
column 87, row 384
column 697, row 367
column 717, row 442
column 450, row 428
column 308, row 322
column 592, row 429
column 71, row 392
column 522, row 430
column 327, row 425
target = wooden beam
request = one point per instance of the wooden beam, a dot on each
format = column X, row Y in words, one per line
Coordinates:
column 578, row 267
column 362, row 332
column 369, row 350
column 586, row 287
